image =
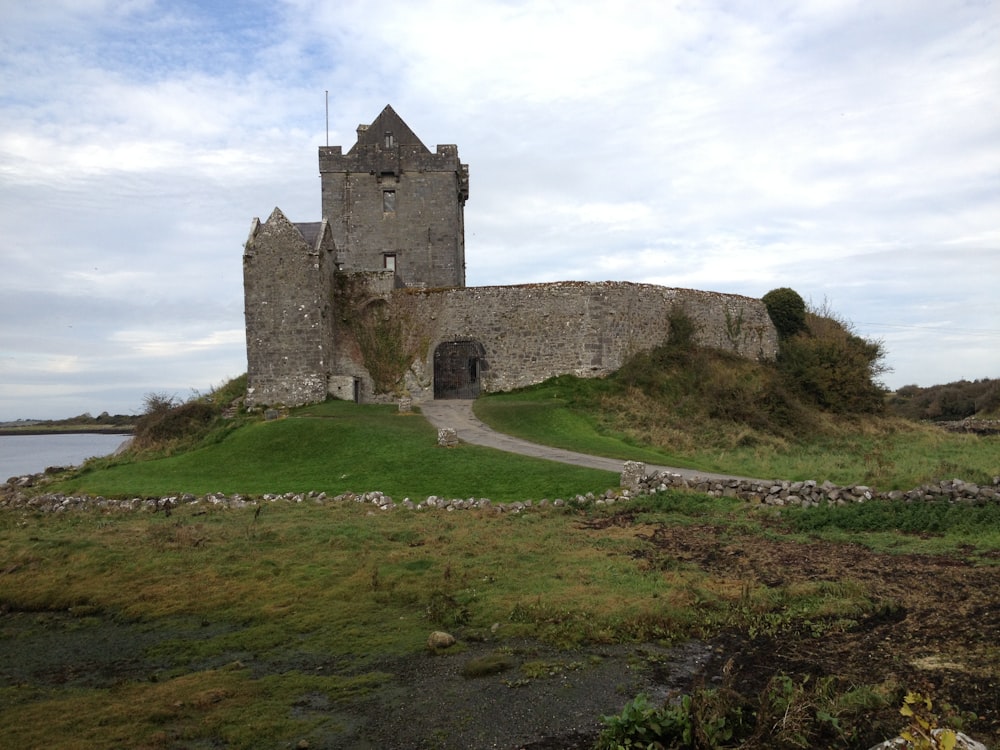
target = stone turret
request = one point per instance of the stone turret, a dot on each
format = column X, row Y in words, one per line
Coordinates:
column 286, row 282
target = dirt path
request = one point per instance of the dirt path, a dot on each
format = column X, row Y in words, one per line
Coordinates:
column 458, row 415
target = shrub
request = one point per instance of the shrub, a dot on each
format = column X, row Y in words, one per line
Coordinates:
column 789, row 712
column 683, row 330
column 787, row 311
column 643, row 725
column 833, row 367
column 949, row 402
column 166, row 422
column 158, row 403
column 660, row 369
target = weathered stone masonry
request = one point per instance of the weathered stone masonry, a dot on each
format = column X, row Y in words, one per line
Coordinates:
column 286, row 289
column 370, row 303
column 392, row 204
column 526, row 334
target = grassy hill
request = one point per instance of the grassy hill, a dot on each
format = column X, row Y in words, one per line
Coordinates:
column 818, row 412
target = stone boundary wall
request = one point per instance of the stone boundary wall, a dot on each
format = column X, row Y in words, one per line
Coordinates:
column 807, row 493
column 635, row 482
column 532, row 332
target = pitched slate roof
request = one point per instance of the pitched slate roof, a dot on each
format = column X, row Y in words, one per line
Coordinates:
column 309, row 230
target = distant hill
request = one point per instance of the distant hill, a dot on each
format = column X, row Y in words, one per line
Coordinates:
column 103, row 423
column 950, row 402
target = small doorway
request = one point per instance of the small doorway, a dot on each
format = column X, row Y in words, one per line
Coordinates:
column 458, row 369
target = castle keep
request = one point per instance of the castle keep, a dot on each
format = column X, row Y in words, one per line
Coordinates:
column 394, row 205
column 370, row 303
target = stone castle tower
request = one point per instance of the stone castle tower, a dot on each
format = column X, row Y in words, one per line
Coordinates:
column 392, row 204
column 370, row 303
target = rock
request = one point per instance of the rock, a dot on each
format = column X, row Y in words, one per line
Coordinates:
column 447, row 437
column 963, row 742
column 439, row 639
column 632, row 474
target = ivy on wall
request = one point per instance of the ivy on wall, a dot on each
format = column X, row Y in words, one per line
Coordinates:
column 382, row 328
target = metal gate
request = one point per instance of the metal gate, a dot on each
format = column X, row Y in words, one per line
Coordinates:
column 458, row 366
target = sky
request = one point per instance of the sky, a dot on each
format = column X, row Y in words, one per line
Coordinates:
column 848, row 149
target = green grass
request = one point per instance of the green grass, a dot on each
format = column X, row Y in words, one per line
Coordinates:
column 544, row 416
column 246, row 606
column 301, row 585
column 307, row 583
column 337, row 447
column 886, row 453
column 925, row 527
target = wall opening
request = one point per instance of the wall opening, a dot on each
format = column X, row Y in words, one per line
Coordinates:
column 458, row 367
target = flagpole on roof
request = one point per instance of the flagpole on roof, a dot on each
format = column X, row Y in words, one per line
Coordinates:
column 327, row 117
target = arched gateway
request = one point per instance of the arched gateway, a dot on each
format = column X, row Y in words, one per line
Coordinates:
column 458, row 366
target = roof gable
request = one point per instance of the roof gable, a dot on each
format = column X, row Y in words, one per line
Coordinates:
column 387, row 131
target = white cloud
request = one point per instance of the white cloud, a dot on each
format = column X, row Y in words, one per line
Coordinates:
column 849, row 150
column 160, row 343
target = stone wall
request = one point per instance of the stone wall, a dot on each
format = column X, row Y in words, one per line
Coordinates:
column 808, row 493
column 286, row 302
column 16, row 493
column 529, row 333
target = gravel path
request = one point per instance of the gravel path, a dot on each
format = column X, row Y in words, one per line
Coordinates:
column 458, row 415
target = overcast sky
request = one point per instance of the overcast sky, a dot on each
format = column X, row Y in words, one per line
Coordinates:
column 849, row 150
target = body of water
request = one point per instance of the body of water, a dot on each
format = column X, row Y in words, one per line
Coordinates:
column 30, row 454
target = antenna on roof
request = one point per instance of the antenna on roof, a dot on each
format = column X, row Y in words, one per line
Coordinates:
column 328, row 117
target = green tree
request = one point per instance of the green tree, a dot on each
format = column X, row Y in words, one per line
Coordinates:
column 787, row 310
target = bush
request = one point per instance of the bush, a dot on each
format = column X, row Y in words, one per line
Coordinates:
column 683, row 330
column 166, row 422
column 787, row 311
column 949, row 402
column 661, row 369
column 832, row 367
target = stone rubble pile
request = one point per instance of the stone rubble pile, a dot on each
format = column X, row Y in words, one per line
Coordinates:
column 635, row 481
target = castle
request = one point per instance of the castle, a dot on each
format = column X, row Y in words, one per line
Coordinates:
column 370, row 303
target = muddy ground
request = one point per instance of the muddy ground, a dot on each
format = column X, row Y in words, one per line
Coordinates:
column 937, row 632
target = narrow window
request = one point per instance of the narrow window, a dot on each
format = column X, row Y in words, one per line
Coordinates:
column 388, row 201
column 389, row 261
column 389, row 140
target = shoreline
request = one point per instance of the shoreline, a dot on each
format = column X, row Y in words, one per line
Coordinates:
column 83, row 430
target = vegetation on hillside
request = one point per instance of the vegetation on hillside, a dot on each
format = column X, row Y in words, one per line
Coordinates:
column 698, row 383
column 333, row 447
column 817, row 412
column 831, row 367
column 963, row 399
column 822, row 366
column 168, row 424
